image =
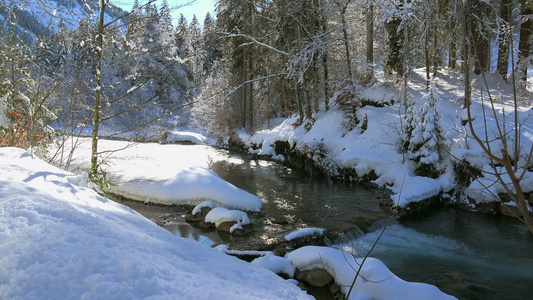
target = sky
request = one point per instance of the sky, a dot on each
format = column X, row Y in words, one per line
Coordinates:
column 199, row 7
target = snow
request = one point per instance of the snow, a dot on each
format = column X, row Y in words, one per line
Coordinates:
column 304, row 232
column 62, row 241
column 275, row 264
column 165, row 174
column 219, row 215
column 198, row 208
column 376, row 149
column 185, row 136
column 375, row 280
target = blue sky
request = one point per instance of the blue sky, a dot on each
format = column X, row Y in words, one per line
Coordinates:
column 199, row 8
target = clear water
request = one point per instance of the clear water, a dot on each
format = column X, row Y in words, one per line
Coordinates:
column 470, row 256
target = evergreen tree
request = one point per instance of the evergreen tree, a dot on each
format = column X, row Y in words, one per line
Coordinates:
column 426, row 142
column 210, row 44
column 410, row 122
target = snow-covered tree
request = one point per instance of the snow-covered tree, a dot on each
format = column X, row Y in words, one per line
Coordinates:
column 210, row 44
column 426, row 142
column 409, row 123
column 23, row 112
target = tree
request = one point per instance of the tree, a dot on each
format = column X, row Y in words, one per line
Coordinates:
column 23, row 110
column 210, row 44
column 482, row 15
column 504, row 37
column 509, row 160
column 409, row 123
column 426, row 141
column 526, row 39
column 138, row 81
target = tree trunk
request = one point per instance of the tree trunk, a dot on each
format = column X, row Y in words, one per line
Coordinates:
column 327, row 93
column 465, row 55
column 299, row 102
column 452, row 60
column 244, row 94
column 347, row 49
column 436, row 59
column 251, row 93
column 370, row 35
column 526, row 35
column 97, row 91
column 504, row 38
column 250, row 68
column 480, row 42
column 426, row 57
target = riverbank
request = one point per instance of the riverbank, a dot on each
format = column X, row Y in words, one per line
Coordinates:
column 327, row 144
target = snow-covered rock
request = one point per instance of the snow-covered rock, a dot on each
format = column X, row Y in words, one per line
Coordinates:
column 220, row 215
column 304, row 233
column 375, row 281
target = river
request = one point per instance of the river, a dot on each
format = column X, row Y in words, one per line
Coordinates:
column 468, row 255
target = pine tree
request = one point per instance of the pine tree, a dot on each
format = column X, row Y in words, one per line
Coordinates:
column 426, row 142
column 410, row 122
column 182, row 37
column 210, row 44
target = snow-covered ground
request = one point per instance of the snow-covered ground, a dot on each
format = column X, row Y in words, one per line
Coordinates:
column 376, row 149
column 62, row 241
column 165, row 174
column 59, row 240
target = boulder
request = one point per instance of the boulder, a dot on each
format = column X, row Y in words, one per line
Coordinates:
column 226, row 227
column 198, row 217
column 207, row 225
column 317, row 278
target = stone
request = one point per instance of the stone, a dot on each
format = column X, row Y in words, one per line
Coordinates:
column 505, row 198
column 207, row 225
column 279, row 220
column 226, row 227
column 194, row 218
column 282, row 249
column 199, row 216
column 334, row 289
column 317, row 278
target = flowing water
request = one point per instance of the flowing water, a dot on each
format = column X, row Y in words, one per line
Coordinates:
column 468, row 255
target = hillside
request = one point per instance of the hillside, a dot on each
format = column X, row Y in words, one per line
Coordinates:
column 42, row 17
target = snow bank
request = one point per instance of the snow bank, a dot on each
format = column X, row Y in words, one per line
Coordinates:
column 275, row 264
column 375, row 281
column 488, row 187
column 185, row 136
column 165, row 174
column 375, row 150
column 62, row 241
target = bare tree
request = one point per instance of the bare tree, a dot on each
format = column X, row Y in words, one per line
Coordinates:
column 510, row 161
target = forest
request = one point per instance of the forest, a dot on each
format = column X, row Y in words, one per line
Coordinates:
column 95, row 70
